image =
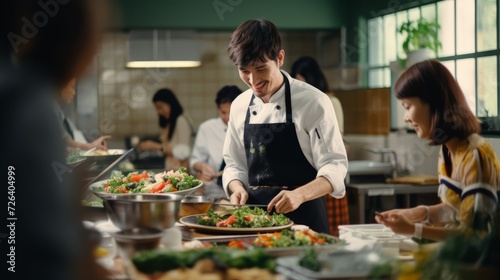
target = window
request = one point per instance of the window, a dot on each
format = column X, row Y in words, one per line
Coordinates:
column 469, row 38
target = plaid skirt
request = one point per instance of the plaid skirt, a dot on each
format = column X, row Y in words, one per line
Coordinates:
column 338, row 213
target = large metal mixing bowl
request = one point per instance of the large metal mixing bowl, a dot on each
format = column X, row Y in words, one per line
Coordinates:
column 143, row 210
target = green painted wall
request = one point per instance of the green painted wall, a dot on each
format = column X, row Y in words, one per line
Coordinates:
column 228, row 14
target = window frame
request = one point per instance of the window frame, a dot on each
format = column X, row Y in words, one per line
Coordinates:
column 456, row 57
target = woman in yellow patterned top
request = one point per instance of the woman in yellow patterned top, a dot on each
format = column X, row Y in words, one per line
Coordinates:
column 436, row 108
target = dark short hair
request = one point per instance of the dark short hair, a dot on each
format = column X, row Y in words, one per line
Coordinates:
column 254, row 40
column 227, row 94
column 433, row 83
column 167, row 96
column 308, row 68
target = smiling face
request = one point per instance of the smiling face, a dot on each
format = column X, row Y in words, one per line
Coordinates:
column 418, row 115
column 264, row 78
column 163, row 109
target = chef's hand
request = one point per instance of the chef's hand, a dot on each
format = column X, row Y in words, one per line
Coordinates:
column 285, row 202
column 238, row 192
column 396, row 221
column 207, row 173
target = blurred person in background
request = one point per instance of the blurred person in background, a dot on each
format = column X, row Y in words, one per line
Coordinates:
column 176, row 137
column 74, row 138
column 43, row 45
column 468, row 168
column 307, row 69
column 206, row 158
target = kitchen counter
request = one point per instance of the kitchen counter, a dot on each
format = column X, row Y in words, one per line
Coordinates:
column 364, row 191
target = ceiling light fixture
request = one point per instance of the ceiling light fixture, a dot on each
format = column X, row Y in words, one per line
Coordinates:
column 163, row 49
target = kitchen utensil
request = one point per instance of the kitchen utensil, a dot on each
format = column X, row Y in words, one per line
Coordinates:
column 239, row 205
column 143, row 210
column 133, row 240
column 120, row 158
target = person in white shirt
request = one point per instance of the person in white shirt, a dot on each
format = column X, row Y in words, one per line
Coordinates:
column 74, row 138
column 176, row 137
column 206, row 158
column 283, row 146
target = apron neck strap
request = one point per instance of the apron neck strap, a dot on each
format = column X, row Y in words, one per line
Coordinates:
column 288, row 100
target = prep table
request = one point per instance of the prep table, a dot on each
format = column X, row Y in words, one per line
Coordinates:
column 385, row 189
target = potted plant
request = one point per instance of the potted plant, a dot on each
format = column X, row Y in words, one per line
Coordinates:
column 421, row 41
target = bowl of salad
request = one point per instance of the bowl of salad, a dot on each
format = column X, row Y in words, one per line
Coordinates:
column 167, row 182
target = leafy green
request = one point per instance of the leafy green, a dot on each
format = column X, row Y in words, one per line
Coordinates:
column 135, row 182
column 310, row 260
column 245, row 217
column 160, row 261
column 420, row 34
column 290, row 238
column 95, row 203
column 73, row 156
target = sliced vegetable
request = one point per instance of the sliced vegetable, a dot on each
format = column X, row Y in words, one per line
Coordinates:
column 149, row 182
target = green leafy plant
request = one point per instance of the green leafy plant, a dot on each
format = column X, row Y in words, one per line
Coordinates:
column 420, row 34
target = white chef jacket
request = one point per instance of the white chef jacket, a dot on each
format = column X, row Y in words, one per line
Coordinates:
column 209, row 142
column 77, row 134
column 313, row 116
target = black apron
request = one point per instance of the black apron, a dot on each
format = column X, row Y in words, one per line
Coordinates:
column 276, row 161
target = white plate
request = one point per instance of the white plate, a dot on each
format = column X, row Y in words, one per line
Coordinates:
column 365, row 228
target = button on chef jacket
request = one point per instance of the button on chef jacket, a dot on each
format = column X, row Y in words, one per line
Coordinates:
column 315, row 124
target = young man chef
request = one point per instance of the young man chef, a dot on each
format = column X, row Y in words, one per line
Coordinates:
column 283, row 146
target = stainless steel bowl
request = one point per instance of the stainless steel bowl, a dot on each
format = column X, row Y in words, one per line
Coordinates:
column 144, row 210
column 133, row 240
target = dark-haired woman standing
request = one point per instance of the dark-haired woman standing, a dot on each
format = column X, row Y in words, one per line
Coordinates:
column 177, row 131
column 307, row 69
column 468, row 168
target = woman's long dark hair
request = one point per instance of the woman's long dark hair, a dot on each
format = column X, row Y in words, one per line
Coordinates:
column 167, row 96
column 309, row 68
column 433, row 83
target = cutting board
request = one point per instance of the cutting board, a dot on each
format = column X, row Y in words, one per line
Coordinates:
column 415, row 179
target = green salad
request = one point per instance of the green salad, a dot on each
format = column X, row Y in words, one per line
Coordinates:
column 149, row 182
column 162, row 260
column 73, row 156
column 243, row 217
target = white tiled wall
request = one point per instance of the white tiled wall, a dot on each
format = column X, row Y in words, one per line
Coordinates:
column 125, row 105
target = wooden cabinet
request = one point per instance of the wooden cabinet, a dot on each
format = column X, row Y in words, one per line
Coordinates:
column 366, row 111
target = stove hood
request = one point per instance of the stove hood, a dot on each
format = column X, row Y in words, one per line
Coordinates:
column 163, row 49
